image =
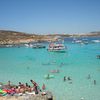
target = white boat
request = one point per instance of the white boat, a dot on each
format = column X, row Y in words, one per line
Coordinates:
column 36, row 45
column 58, row 47
column 28, row 45
column 96, row 41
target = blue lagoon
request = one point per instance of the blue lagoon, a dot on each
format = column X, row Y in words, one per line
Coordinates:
column 78, row 62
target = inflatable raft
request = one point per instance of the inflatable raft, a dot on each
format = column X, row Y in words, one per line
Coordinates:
column 48, row 76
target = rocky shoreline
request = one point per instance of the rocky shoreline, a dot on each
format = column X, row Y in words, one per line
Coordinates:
column 13, row 37
column 24, row 91
column 48, row 96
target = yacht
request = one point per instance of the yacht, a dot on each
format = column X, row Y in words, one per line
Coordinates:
column 58, row 47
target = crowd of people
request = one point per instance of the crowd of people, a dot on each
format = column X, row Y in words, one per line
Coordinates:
column 21, row 88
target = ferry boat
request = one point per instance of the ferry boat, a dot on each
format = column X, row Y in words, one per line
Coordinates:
column 57, row 47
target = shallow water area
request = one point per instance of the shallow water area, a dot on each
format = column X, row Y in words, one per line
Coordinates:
column 79, row 61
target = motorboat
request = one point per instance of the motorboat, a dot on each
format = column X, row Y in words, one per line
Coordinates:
column 96, row 41
column 57, row 47
column 38, row 46
column 34, row 45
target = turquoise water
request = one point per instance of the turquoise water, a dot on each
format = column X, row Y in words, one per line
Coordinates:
column 23, row 64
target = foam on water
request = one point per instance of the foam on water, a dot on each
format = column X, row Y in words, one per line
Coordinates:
column 23, row 64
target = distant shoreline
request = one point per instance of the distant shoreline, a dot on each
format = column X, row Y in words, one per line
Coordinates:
column 13, row 37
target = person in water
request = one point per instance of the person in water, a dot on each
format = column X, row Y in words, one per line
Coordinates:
column 89, row 77
column 43, row 87
column 48, row 76
column 98, row 56
column 9, row 84
column 94, row 82
column 69, row 78
column 64, row 78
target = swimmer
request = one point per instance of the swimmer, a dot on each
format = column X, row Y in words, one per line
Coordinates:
column 43, row 87
column 69, row 78
column 70, row 82
column 98, row 56
column 64, row 78
column 89, row 77
column 48, row 76
column 94, row 82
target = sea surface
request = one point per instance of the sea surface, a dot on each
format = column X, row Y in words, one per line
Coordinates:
column 78, row 62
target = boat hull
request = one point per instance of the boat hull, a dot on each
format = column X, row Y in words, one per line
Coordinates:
column 56, row 50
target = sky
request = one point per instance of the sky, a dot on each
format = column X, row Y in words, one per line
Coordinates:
column 50, row 16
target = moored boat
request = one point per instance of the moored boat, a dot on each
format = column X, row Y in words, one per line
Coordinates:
column 56, row 46
column 38, row 46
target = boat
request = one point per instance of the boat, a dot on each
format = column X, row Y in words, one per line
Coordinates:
column 56, row 47
column 38, row 46
column 96, row 41
column 28, row 45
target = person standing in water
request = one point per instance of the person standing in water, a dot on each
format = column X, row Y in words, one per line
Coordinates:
column 69, row 78
column 94, row 82
column 89, row 77
column 64, row 78
column 43, row 87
